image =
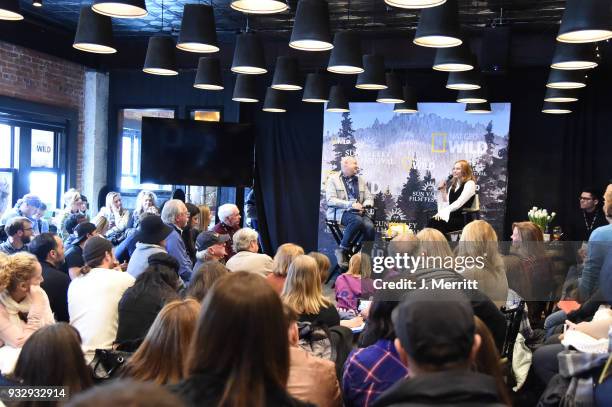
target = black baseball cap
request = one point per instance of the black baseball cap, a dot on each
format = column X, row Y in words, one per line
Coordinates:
column 435, row 326
column 209, row 238
column 82, row 230
column 152, row 230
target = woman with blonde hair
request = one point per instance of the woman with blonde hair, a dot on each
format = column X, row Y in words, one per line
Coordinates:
column 72, row 205
column 116, row 216
column 204, row 219
column 302, row 292
column 283, row 258
column 24, row 305
column 170, row 335
column 479, row 242
column 146, row 201
column 433, row 245
column 453, row 199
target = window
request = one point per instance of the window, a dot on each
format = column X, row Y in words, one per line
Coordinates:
column 206, row 115
column 130, row 123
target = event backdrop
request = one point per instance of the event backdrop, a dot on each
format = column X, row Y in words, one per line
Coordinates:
column 404, row 157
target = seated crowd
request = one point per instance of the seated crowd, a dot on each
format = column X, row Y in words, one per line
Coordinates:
column 153, row 306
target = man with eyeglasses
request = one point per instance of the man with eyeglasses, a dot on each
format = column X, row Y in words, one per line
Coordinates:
column 19, row 231
column 590, row 216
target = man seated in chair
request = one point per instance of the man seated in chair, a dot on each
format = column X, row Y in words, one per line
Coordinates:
column 347, row 195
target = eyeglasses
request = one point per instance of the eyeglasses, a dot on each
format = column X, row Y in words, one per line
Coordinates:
column 582, row 198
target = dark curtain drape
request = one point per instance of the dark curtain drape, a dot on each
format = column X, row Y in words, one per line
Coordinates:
column 288, row 150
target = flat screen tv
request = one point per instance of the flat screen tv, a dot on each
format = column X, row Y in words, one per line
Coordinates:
column 189, row 152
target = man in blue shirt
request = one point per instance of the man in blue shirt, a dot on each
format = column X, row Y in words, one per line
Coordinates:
column 176, row 215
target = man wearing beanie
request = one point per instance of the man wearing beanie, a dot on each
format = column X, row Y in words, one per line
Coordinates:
column 93, row 297
column 436, row 340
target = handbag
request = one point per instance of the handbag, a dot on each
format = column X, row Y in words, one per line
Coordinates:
column 107, row 362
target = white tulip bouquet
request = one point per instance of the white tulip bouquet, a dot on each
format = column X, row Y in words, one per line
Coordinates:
column 541, row 217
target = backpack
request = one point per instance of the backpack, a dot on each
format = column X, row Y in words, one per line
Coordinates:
column 315, row 338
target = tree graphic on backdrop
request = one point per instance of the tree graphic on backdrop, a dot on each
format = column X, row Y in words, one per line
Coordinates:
column 345, row 143
column 413, row 184
column 493, row 176
column 379, row 204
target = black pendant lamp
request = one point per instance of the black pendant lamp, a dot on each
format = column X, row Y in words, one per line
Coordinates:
column 245, row 89
column 120, row 8
column 466, row 80
column 161, row 56
column 259, row 6
column 373, row 76
column 586, row 21
column 574, row 56
column 337, row 101
column 208, row 76
column 316, row 89
column 198, row 32
column 471, row 96
column 249, row 55
column 439, row 26
column 556, row 108
column 10, row 10
column 478, row 108
column 410, row 102
column 346, row 56
column 311, row 30
column 393, row 93
column 454, row 59
column 275, row 101
column 414, row 3
column 94, row 33
column 286, row 74
column 559, row 79
column 561, row 95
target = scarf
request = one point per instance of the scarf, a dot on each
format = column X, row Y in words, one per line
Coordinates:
column 14, row 308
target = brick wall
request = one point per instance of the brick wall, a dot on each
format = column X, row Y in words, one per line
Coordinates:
column 38, row 77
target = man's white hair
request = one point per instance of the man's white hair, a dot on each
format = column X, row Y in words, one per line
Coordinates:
column 171, row 210
column 242, row 239
column 348, row 158
column 226, row 210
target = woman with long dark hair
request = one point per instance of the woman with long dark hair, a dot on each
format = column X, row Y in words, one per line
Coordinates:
column 52, row 356
column 239, row 355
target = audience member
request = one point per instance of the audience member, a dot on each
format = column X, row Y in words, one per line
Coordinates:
column 72, row 205
column 247, row 257
column 203, row 278
column 145, row 203
column 323, row 265
column 24, row 305
column 370, row 371
column 229, row 217
column 26, row 207
column 116, row 216
column 19, row 231
column 84, row 205
column 93, row 298
column 239, row 355
column 49, row 250
column 302, row 292
column 479, row 241
column 39, row 217
column 437, row 341
column 600, row 244
column 283, row 258
column 589, row 217
column 141, row 303
column 250, row 210
column 74, row 255
column 433, row 244
column 126, row 393
column 175, row 215
column 204, row 219
column 210, row 246
column 52, row 356
column 73, row 220
column 190, row 233
column 151, row 238
column 311, row 379
column 170, row 334
column 353, row 285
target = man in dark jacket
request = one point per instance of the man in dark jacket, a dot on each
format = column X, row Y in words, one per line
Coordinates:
column 437, row 341
column 49, row 249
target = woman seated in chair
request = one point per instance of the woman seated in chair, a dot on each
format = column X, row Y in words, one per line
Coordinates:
column 460, row 196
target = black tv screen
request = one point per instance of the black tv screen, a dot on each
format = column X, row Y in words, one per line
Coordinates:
column 189, row 152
